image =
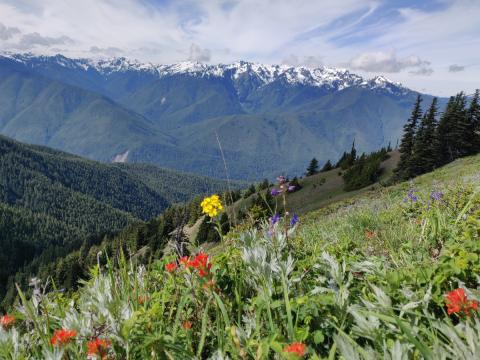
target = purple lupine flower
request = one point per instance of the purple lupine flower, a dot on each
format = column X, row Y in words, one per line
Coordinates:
column 281, row 180
column 274, row 219
column 294, row 220
column 291, row 188
column 275, row 192
column 411, row 196
column 436, row 195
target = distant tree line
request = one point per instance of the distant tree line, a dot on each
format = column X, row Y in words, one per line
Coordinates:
column 429, row 142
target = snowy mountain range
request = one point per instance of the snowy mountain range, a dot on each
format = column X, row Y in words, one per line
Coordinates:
column 270, row 118
column 327, row 77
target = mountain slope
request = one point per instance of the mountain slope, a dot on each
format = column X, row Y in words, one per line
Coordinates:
column 269, row 118
column 51, row 201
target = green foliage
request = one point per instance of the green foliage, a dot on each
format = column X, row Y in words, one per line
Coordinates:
column 327, row 166
column 361, row 279
column 405, row 169
column 52, row 201
column 364, row 171
column 432, row 144
column 312, row 168
column 250, row 191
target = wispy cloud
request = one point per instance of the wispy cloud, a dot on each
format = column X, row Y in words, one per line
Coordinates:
column 387, row 62
column 456, row 68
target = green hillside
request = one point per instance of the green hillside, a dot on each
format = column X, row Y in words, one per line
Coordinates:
column 52, row 201
column 174, row 120
column 324, row 188
column 387, row 273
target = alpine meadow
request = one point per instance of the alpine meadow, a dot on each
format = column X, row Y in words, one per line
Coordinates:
column 272, row 179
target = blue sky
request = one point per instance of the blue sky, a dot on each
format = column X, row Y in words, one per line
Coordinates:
column 431, row 46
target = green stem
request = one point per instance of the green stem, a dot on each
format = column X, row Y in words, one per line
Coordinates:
column 288, row 308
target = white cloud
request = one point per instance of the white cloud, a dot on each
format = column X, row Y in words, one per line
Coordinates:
column 387, row 62
column 199, row 54
column 34, row 39
column 309, row 61
column 456, row 68
column 293, row 31
column 7, row 33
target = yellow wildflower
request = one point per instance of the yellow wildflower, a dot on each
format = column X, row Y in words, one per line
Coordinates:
column 211, row 205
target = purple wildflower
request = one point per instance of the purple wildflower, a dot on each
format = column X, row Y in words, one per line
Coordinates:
column 436, row 195
column 275, row 192
column 294, row 220
column 281, row 180
column 411, row 196
column 274, row 219
column 291, row 188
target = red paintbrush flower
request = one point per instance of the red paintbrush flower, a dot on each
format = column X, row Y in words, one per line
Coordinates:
column 457, row 302
column 6, row 321
column 62, row 337
column 184, row 260
column 187, row 325
column 98, row 347
column 295, row 348
column 170, row 267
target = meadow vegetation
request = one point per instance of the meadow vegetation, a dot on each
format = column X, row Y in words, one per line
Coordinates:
column 390, row 273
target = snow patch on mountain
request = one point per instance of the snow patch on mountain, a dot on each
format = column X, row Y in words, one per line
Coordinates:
column 327, row 77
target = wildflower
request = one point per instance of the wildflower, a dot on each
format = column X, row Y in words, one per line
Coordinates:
column 187, row 325
column 274, row 219
column 281, row 180
column 183, row 260
column 457, row 302
column 275, row 192
column 170, row 267
column 291, row 188
column 62, row 337
column 6, row 321
column 142, row 299
column 211, row 206
column 98, row 347
column 294, row 220
column 436, row 195
column 209, row 284
column 370, row 234
column 296, row 348
column 411, row 196
column 200, row 263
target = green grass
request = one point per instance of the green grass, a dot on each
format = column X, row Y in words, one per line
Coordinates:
column 362, row 278
column 325, row 188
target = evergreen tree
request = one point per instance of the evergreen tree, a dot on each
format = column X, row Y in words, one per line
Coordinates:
column 312, row 168
column 328, row 166
column 263, row 185
column 251, row 190
column 474, row 119
column 423, row 158
column 404, row 169
column 454, row 131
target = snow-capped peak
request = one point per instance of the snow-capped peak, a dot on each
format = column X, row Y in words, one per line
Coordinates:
column 327, row 77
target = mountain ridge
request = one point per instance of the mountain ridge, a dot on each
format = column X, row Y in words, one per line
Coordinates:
column 267, row 73
column 269, row 118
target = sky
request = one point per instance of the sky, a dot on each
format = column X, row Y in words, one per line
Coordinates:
column 432, row 46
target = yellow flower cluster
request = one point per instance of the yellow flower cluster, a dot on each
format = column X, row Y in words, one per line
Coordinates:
column 211, row 205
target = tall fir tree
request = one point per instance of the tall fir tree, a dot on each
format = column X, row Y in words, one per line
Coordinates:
column 327, row 166
column 454, row 131
column 312, row 168
column 424, row 156
column 405, row 168
column 474, row 119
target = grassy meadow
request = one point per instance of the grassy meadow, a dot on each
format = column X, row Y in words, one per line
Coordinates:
column 381, row 273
